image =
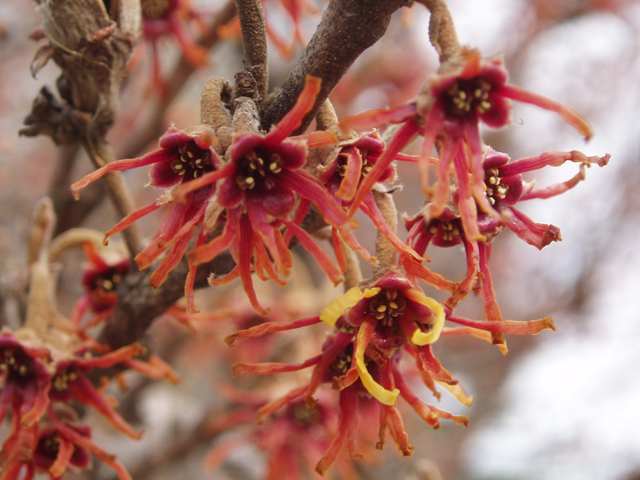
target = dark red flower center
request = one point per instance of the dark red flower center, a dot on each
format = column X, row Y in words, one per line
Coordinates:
column 49, row 445
column 155, row 9
column 62, row 379
column 495, row 189
column 257, row 171
column 107, row 280
column 16, row 364
column 449, row 229
column 386, row 306
column 192, row 161
column 341, row 169
column 343, row 361
column 468, row 97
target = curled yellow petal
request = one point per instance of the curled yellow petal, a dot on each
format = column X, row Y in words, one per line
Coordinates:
column 419, row 337
column 374, row 388
column 332, row 312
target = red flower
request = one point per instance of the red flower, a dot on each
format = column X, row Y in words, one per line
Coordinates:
column 257, row 192
column 374, row 325
column 183, row 157
column 65, row 446
column 24, row 377
column 294, row 439
column 505, row 187
column 70, row 382
column 465, row 91
column 346, row 172
column 55, row 452
column 100, row 279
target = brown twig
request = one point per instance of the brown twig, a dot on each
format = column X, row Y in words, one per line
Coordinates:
column 58, row 190
column 442, row 32
column 385, row 251
column 347, row 28
column 139, row 304
column 254, row 42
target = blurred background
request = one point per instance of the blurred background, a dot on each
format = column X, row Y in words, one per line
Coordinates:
column 563, row 405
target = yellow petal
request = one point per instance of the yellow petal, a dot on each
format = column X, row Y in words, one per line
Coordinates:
column 332, row 312
column 378, row 391
column 419, row 337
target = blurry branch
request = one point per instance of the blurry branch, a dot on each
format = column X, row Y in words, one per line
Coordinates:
column 58, row 190
column 347, row 28
column 139, row 304
column 100, row 154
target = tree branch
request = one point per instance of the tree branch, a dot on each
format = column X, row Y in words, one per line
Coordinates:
column 347, row 28
column 254, row 42
column 139, row 304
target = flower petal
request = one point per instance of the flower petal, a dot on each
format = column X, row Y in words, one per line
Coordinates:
column 336, row 308
column 380, row 393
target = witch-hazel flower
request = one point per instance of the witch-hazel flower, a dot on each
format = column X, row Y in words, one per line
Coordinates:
column 461, row 223
column 184, row 156
column 351, row 163
column 465, row 91
column 374, row 324
column 256, row 193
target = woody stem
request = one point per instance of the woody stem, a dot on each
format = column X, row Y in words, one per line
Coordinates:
column 385, row 251
column 442, row 32
column 254, row 42
column 347, row 28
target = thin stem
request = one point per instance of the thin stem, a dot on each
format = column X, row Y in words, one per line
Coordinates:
column 353, row 275
column 74, row 237
column 442, row 32
column 254, row 42
column 386, row 253
column 58, row 190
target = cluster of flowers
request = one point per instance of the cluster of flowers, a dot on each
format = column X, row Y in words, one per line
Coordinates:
column 47, row 364
column 233, row 188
